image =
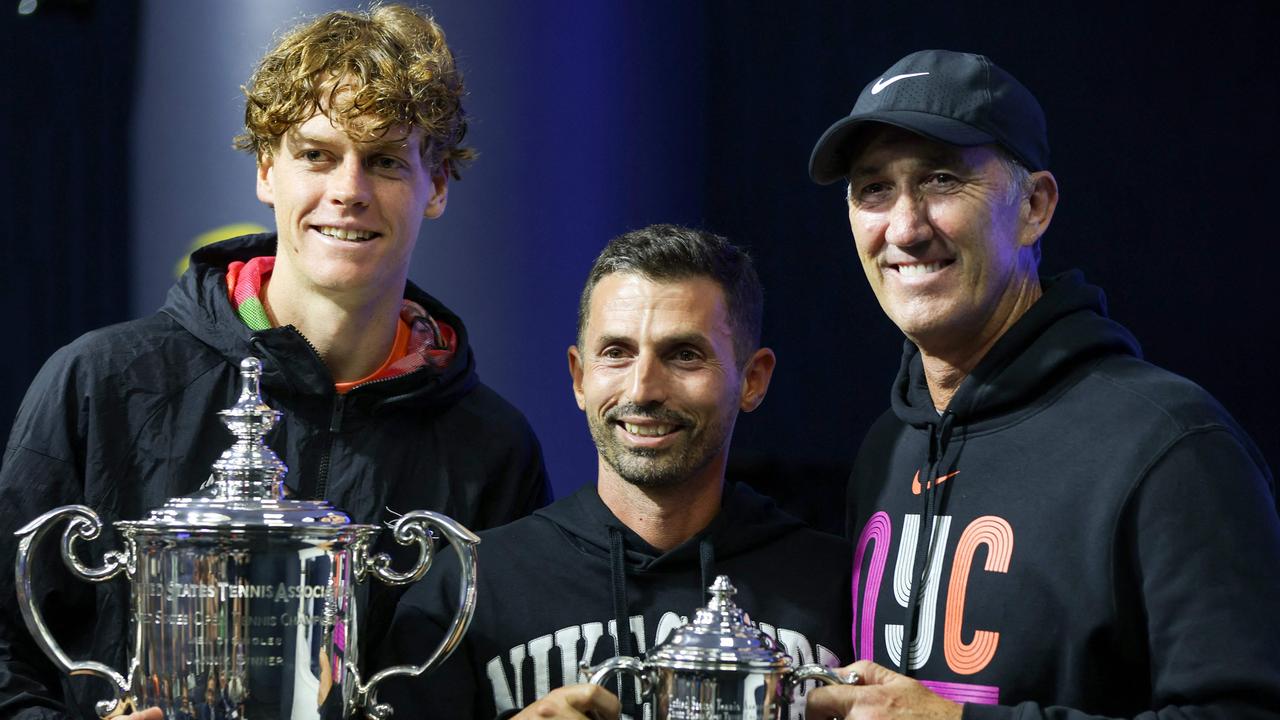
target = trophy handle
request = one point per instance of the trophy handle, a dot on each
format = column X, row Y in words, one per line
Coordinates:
column 822, row 674
column 84, row 524
column 628, row 665
column 410, row 528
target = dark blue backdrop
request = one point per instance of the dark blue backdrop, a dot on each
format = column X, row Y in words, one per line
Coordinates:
column 593, row 118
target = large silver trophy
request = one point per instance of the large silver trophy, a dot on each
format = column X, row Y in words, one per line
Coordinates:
column 244, row 602
column 717, row 667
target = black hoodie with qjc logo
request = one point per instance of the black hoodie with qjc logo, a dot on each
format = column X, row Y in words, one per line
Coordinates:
column 1078, row 534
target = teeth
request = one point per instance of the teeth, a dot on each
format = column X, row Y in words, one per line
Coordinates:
column 647, row 430
column 919, row 269
column 341, row 234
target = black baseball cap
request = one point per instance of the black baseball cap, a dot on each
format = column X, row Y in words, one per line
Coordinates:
column 956, row 98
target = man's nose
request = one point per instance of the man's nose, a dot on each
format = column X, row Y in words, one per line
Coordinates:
column 648, row 380
column 349, row 184
column 908, row 221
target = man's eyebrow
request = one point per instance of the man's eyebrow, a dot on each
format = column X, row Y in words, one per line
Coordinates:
column 695, row 339
column 605, row 341
column 298, row 136
column 384, row 145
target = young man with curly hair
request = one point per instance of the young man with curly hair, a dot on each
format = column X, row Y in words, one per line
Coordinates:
column 356, row 122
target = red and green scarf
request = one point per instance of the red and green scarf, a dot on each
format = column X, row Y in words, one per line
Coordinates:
column 420, row 339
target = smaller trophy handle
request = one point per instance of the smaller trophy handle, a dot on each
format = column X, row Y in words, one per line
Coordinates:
column 84, row 525
column 414, row 527
column 822, row 674
column 625, row 665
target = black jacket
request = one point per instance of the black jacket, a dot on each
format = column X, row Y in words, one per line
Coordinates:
column 1098, row 536
column 554, row 586
column 124, row 418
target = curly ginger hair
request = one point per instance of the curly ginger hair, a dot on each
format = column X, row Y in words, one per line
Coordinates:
column 369, row 71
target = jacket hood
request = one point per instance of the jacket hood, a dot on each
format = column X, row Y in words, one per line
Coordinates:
column 746, row 521
column 199, row 303
column 1065, row 329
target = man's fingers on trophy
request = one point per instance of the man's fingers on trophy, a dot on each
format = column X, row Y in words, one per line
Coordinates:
column 882, row 693
column 154, row 713
column 595, row 702
column 840, row 701
column 866, row 672
column 832, row 701
column 575, row 702
column 852, row 674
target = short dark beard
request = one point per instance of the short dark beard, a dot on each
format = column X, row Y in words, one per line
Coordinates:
column 650, row 468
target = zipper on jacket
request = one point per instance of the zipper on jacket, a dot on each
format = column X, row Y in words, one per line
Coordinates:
column 316, row 352
column 335, row 425
column 415, row 371
column 335, row 416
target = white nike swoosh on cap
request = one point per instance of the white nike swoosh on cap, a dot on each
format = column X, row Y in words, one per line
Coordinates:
column 882, row 83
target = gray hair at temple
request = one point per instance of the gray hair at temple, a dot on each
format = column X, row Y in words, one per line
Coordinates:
column 671, row 252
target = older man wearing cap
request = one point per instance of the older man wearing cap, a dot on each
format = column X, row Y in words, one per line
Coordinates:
column 1047, row 526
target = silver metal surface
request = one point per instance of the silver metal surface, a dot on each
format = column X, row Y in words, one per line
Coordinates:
column 717, row 667
column 249, row 469
column 627, row 665
column 464, row 544
column 84, row 524
column 245, row 604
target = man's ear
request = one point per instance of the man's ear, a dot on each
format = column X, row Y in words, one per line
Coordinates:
column 755, row 379
column 575, row 372
column 266, row 181
column 1038, row 207
column 439, row 193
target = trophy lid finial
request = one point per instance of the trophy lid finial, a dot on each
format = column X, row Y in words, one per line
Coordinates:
column 249, row 469
column 720, row 636
column 722, row 592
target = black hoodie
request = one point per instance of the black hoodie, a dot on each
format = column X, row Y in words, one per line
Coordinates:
column 125, row 417
column 553, row 586
column 1095, row 535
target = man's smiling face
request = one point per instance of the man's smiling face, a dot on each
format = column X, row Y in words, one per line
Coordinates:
column 940, row 234
column 347, row 212
column 658, row 380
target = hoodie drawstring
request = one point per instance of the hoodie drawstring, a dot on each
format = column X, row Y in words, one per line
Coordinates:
column 618, row 574
column 707, row 563
column 939, row 440
column 264, row 353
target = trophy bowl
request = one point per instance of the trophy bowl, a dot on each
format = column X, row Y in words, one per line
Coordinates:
column 717, row 667
column 244, row 603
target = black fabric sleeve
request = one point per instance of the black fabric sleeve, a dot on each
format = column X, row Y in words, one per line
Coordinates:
column 533, row 478
column 1203, row 533
column 505, row 477
column 33, row 481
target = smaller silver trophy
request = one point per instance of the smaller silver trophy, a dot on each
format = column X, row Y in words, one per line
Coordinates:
column 243, row 602
column 718, row 667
